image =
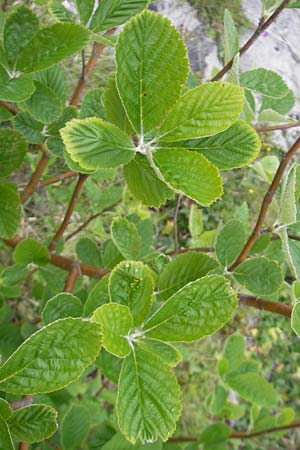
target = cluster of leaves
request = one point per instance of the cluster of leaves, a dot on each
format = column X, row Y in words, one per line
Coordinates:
column 170, row 138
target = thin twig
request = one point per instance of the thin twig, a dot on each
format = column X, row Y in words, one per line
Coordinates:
column 56, row 178
column 9, row 107
column 36, row 176
column 262, row 26
column 72, row 278
column 286, row 158
column 175, row 225
column 65, row 263
column 284, row 126
column 88, row 69
column 81, row 179
column 265, row 305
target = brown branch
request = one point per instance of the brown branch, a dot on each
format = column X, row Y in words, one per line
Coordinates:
column 72, row 278
column 284, row 126
column 286, row 158
column 262, row 26
column 11, row 108
column 56, row 179
column 65, row 263
column 35, row 177
column 265, row 305
column 26, row 401
column 5, row 5
column 175, row 225
column 241, row 434
column 87, row 70
column 81, row 179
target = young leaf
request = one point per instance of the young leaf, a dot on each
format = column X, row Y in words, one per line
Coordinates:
column 109, row 365
column 114, row 108
column 88, row 252
column 231, row 37
column 92, row 106
column 44, row 105
column 5, row 409
column 10, row 210
column 55, row 79
column 260, row 275
column 52, row 357
column 85, row 9
column 199, row 309
column 126, row 237
column 111, row 13
column 5, row 436
column 96, row 144
column 254, row 388
column 281, row 105
column 33, row 423
column 61, row 306
column 235, row 147
column 182, row 270
column 167, row 352
column 230, row 242
column 15, row 89
column 51, row 45
column 19, row 28
column 149, row 398
column 30, row 251
column 98, row 296
column 265, row 82
column 12, row 150
column 75, row 427
column 295, row 319
column 151, row 69
column 292, row 252
column 234, row 351
column 144, row 183
column 203, row 111
column 289, row 197
column 190, row 174
column 29, row 127
column 131, row 284
column 116, row 321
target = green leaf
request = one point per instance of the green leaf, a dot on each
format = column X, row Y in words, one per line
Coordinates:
column 55, row 79
column 292, row 252
column 131, row 284
column 6, row 442
column 96, row 144
column 59, row 12
column 199, row 309
column 98, row 296
column 33, row 423
column 30, row 251
column 109, row 365
column 260, row 275
column 149, row 398
column 197, row 177
column 235, row 147
column 52, row 357
column 29, row 127
column 10, row 210
column 119, row 442
column 61, row 306
column 126, row 237
column 295, row 319
column 215, row 433
column 265, row 82
column 231, row 37
column 281, row 105
column 15, row 89
column 182, row 270
column 19, row 28
column 234, row 351
column 54, row 141
column 254, row 388
column 85, row 9
column 44, row 105
column 203, row 111
column 92, row 106
column 12, row 150
column 51, row 45
column 5, row 409
column 151, row 69
column 114, row 108
column 116, row 321
column 230, row 242
column 195, row 223
column 75, row 427
column 111, row 255
column 88, row 252
column 111, row 13
column 289, row 197
column 144, row 183
column 165, row 351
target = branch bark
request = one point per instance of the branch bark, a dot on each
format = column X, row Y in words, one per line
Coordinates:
column 72, row 278
column 262, row 26
column 36, row 176
column 286, row 158
column 56, row 179
column 265, row 305
column 87, row 70
column 81, row 180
